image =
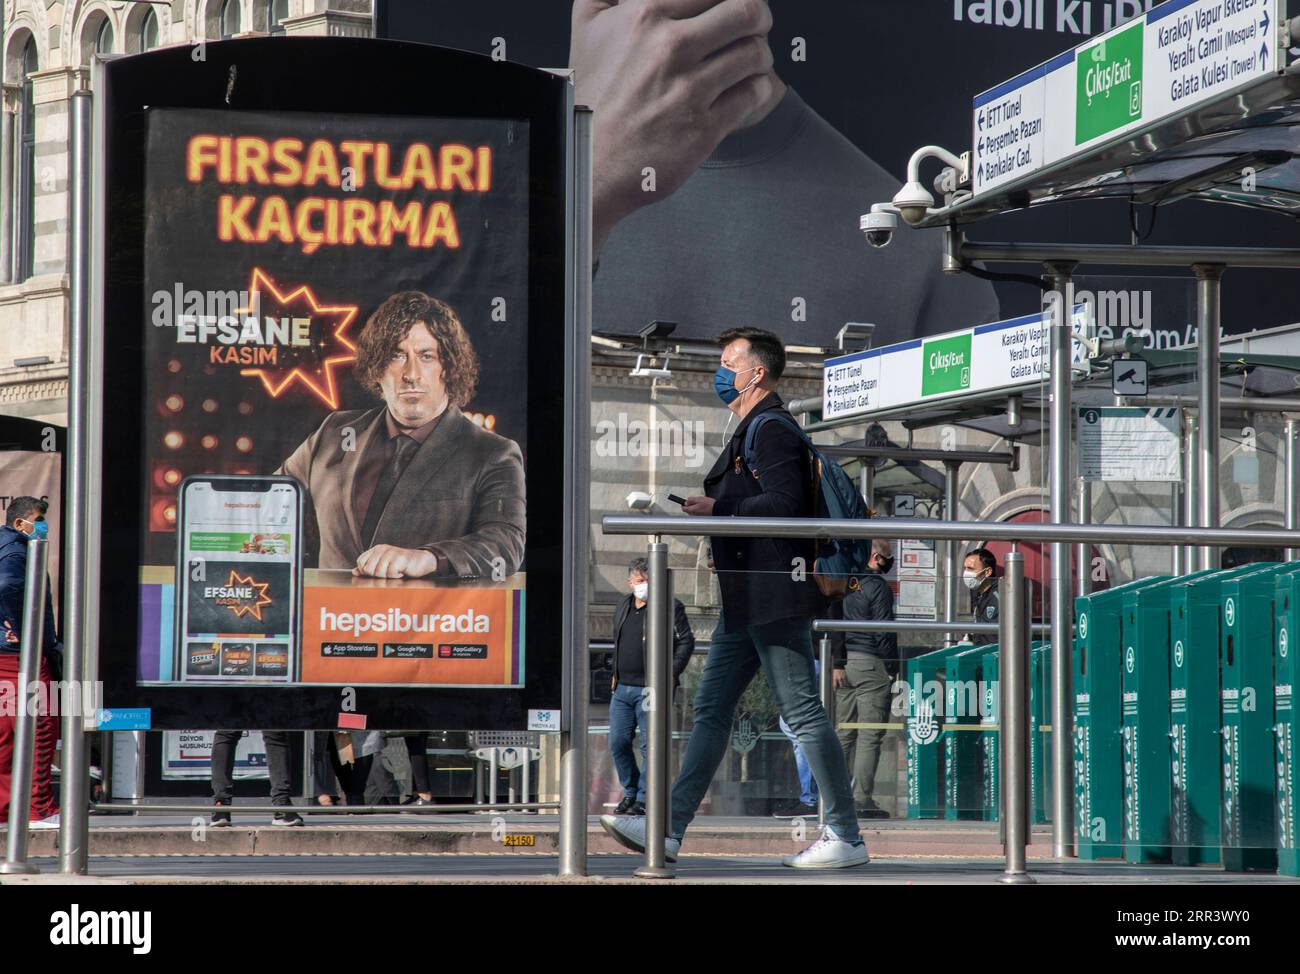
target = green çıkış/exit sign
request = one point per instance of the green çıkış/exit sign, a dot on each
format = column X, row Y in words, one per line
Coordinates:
column 1109, row 84
column 945, row 365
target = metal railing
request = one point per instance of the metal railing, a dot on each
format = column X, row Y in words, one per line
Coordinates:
column 1014, row 628
column 29, row 667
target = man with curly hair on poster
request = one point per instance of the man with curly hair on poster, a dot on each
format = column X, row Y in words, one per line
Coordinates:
column 413, row 488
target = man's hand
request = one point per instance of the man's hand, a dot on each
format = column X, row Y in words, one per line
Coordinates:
column 699, row 506
column 389, row 561
column 666, row 80
column 11, row 637
column 839, row 679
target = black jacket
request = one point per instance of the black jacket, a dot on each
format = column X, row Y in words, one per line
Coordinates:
column 683, row 637
column 872, row 601
column 986, row 606
column 756, row 576
column 13, row 581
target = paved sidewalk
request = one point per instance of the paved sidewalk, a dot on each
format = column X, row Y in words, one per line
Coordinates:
column 183, row 834
column 530, row 868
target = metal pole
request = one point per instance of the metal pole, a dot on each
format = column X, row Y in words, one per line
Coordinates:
column 952, row 551
column 1122, row 254
column 74, row 832
column 526, row 774
column 29, row 667
column 1289, row 493
column 495, row 772
column 1013, row 656
column 1083, row 552
column 1191, row 484
column 929, row 529
column 308, row 763
column 1253, row 404
column 1209, row 279
column 867, row 482
column 140, row 746
column 574, row 785
column 826, row 685
column 8, row 133
column 1178, row 556
column 916, row 625
column 658, row 698
column 1062, row 607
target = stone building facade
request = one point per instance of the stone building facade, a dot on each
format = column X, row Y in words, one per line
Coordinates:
column 45, row 50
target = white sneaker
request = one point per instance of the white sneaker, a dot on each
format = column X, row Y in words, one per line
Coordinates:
column 829, row 852
column 629, row 832
column 45, row 823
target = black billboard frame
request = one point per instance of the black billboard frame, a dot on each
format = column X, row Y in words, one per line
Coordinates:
column 271, row 74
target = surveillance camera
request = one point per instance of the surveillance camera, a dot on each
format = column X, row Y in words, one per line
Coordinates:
column 639, row 500
column 914, row 202
column 879, row 227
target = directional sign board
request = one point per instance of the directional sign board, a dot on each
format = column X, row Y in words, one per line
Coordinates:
column 1000, row 355
column 1129, row 377
column 1178, row 56
column 1009, row 129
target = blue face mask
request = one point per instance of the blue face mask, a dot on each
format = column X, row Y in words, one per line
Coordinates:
column 724, row 384
column 41, row 530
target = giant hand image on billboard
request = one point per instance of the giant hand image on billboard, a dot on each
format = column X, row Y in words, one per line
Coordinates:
column 335, row 385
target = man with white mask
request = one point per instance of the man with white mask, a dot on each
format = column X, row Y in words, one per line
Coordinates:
column 627, row 708
column 979, row 573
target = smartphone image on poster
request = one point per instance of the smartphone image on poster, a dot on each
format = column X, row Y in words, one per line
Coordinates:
column 238, row 580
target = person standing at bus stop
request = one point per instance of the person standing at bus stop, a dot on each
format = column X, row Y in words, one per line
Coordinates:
column 866, row 664
column 768, row 605
column 979, row 574
column 627, row 708
column 24, row 520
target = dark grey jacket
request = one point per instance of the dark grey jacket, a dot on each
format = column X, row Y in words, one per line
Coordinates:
column 872, row 601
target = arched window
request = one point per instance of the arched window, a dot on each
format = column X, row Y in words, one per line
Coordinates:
column 276, row 17
column 230, row 25
column 104, row 37
column 26, row 182
column 149, row 31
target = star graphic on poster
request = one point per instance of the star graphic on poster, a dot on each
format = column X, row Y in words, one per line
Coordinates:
column 253, row 607
column 312, row 364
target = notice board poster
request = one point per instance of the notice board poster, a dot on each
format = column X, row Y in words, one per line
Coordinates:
column 335, row 392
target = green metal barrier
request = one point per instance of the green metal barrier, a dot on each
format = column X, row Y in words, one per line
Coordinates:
column 963, row 708
column 1195, row 618
column 1286, row 602
column 1098, row 768
column 1040, row 741
column 1145, row 741
column 1246, row 694
column 925, row 778
column 990, row 792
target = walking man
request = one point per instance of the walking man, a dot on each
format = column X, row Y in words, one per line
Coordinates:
column 768, row 603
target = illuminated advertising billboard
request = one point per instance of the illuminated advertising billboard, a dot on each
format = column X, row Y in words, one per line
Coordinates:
column 343, row 344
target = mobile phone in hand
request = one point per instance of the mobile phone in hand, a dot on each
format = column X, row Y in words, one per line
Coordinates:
column 677, row 500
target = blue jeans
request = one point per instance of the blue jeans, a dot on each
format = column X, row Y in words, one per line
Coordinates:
column 784, row 650
column 626, row 717
column 807, row 783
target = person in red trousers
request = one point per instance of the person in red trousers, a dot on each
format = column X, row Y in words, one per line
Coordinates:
column 25, row 519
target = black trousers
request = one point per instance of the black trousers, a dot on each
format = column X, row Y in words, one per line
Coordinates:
column 416, row 750
column 351, row 777
column 277, row 764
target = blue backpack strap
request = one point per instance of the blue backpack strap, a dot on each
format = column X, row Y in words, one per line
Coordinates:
column 747, row 450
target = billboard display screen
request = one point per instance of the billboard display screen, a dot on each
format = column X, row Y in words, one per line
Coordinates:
column 341, row 348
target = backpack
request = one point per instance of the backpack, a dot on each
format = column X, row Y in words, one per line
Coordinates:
column 840, row 562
